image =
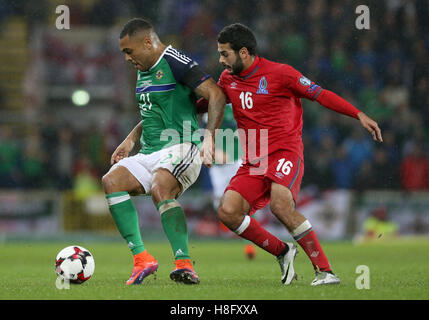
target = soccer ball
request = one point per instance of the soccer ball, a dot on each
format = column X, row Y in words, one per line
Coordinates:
column 75, row 264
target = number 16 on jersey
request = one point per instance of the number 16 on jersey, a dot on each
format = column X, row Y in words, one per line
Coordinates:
column 246, row 100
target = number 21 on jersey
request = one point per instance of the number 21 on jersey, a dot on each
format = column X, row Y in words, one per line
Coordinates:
column 246, row 100
column 146, row 104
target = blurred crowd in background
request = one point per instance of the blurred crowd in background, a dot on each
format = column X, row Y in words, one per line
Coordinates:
column 383, row 71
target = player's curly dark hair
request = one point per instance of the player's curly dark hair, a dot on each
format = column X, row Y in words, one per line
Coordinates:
column 238, row 36
column 135, row 25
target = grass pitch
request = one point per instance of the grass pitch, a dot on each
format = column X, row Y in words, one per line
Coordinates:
column 398, row 270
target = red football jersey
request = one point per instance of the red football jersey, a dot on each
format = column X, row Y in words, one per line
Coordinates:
column 267, row 95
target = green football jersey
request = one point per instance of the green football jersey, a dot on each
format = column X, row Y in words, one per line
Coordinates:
column 166, row 98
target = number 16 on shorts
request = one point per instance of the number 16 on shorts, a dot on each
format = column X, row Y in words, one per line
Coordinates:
column 287, row 169
column 284, row 166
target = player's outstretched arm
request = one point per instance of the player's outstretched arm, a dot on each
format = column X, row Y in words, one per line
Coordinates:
column 123, row 150
column 210, row 91
column 334, row 102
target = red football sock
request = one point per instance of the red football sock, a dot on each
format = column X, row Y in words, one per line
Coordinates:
column 307, row 239
column 251, row 230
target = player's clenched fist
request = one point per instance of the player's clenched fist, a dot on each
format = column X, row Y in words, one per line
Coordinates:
column 208, row 150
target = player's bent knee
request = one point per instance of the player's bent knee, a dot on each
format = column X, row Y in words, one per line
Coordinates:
column 164, row 186
column 224, row 211
column 108, row 183
column 161, row 192
column 221, row 214
column 115, row 183
column 229, row 215
column 284, row 206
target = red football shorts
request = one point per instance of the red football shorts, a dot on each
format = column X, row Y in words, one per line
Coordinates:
column 254, row 183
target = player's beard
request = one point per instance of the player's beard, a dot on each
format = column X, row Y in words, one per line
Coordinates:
column 238, row 66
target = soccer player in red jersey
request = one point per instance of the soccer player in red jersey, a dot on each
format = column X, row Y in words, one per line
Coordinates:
column 266, row 99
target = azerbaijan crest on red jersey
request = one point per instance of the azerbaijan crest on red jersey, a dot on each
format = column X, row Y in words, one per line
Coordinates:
column 262, row 86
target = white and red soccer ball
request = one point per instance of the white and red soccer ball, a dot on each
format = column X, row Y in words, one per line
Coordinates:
column 75, row 264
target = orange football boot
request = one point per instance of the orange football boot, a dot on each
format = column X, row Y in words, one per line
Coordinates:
column 144, row 265
column 184, row 272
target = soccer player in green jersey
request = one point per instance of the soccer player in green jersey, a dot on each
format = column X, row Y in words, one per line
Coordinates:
column 171, row 153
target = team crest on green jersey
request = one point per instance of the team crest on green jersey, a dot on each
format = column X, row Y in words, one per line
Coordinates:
column 159, row 74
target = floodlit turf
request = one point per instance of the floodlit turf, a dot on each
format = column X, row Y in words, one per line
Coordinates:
column 398, row 270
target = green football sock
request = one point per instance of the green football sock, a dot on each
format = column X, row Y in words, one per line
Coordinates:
column 174, row 223
column 126, row 218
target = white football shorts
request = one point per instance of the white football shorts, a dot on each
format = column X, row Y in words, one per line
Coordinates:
column 182, row 160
